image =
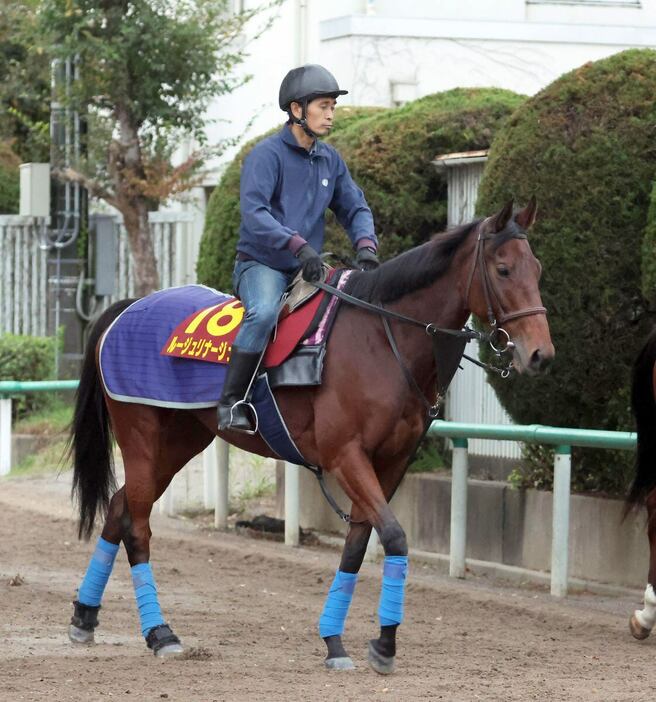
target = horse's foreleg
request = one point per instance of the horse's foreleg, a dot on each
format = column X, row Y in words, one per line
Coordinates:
column 356, row 475
column 335, row 611
column 643, row 620
column 88, row 603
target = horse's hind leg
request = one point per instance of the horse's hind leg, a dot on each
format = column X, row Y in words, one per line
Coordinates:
column 642, row 621
column 87, row 605
column 155, row 444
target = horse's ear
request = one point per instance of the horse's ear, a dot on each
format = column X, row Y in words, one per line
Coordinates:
column 526, row 217
column 500, row 220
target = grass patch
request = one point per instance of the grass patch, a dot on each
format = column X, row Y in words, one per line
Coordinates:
column 49, row 426
column 50, row 420
column 47, row 459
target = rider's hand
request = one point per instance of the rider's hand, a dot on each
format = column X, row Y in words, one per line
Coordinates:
column 311, row 264
column 366, row 259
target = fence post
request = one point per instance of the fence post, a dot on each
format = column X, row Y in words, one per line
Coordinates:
column 372, row 547
column 292, row 480
column 560, row 535
column 166, row 501
column 210, row 471
column 459, row 470
column 5, row 435
column 222, row 500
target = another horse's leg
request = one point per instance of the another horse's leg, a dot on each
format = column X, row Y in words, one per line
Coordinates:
column 87, row 605
column 155, row 444
column 356, row 475
column 643, row 620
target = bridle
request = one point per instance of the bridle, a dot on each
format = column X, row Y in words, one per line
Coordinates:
column 495, row 338
column 490, row 293
column 467, row 333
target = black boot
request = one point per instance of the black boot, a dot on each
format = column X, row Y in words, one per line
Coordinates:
column 241, row 369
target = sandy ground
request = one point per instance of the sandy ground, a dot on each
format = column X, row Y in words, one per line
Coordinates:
column 247, row 609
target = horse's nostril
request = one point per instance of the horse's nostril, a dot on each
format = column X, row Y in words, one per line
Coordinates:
column 539, row 361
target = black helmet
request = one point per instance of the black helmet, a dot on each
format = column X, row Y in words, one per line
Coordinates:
column 306, row 83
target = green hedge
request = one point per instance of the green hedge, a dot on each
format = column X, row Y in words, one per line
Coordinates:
column 219, row 242
column 390, row 157
column 27, row 358
column 585, row 147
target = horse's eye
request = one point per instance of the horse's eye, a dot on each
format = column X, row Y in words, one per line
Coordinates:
column 503, row 271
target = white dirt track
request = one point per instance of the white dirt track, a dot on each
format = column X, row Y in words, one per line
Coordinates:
column 247, row 610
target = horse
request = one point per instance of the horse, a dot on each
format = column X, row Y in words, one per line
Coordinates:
column 642, row 491
column 362, row 424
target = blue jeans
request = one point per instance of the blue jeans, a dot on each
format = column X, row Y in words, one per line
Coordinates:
column 260, row 289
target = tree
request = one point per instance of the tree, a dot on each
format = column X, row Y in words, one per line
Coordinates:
column 24, row 83
column 584, row 146
column 146, row 77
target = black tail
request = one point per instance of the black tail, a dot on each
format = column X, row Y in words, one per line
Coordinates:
column 90, row 443
column 644, row 411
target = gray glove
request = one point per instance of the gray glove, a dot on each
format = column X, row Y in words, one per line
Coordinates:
column 311, row 264
column 366, row 259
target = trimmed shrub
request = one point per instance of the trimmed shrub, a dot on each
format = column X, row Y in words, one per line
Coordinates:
column 584, row 146
column 390, row 157
column 27, row 358
column 219, row 242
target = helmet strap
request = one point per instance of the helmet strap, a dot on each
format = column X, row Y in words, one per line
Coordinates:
column 302, row 122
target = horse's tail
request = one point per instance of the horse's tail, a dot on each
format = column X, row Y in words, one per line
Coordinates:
column 90, row 442
column 644, row 411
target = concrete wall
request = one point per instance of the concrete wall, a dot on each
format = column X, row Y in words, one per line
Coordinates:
column 504, row 525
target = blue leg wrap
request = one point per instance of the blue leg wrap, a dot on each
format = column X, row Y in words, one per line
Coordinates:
column 145, row 591
column 100, row 568
column 331, row 622
column 395, row 572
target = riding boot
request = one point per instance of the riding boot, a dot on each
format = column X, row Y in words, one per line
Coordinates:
column 242, row 367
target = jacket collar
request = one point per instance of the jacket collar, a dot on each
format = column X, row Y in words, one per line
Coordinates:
column 288, row 137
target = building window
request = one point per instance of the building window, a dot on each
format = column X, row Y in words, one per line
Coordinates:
column 403, row 93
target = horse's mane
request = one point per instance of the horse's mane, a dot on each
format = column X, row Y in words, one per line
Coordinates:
column 411, row 270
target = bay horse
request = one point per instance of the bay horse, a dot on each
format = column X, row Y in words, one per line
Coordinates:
column 361, row 424
column 643, row 488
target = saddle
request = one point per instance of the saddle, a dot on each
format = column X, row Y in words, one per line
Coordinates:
column 208, row 333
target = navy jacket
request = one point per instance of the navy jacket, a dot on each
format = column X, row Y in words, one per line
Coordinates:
column 285, row 191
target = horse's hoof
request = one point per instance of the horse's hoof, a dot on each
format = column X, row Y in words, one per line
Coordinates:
column 637, row 630
column 169, row 651
column 342, row 663
column 163, row 642
column 80, row 636
column 381, row 664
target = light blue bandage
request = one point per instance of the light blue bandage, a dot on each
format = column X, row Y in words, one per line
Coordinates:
column 145, row 591
column 395, row 572
column 331, row 622
column 98, row 572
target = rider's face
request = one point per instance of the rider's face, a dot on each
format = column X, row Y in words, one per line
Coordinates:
column 320, row 113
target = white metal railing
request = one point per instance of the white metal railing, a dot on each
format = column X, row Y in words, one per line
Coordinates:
column 175, row 251
column 23, row 276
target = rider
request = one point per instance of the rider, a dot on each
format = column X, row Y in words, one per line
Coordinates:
column 287, row 182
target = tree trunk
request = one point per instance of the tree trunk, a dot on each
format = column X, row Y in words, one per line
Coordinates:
column 126, row 168
column 135, row 218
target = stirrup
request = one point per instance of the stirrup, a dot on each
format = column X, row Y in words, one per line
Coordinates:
column 229, row 427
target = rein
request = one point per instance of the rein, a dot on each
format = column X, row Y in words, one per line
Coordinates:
column 489, row 291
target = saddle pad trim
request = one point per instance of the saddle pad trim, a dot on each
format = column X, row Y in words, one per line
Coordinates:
column 290, row 453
